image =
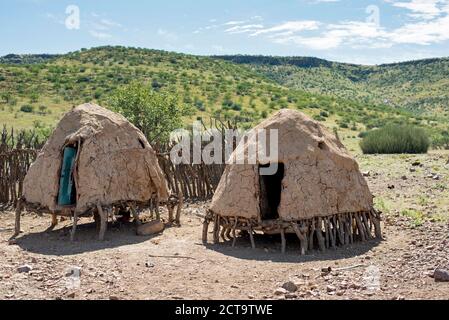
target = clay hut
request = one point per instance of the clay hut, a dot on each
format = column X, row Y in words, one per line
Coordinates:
column 317, row 193
column 94, row 162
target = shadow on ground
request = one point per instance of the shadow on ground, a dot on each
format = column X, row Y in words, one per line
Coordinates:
column 268, row 248
column 57, row 242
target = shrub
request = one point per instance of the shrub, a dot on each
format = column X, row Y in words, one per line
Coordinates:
column 324, row 114
column 395, row 139
column 441, row 141
column 27, row 108
column 155, row 113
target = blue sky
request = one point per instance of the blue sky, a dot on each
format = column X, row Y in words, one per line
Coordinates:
column 358, row 31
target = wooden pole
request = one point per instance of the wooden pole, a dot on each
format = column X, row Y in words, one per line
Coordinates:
column 283, row 241
column 19, row 208
column 103, row 222
column 75, row 222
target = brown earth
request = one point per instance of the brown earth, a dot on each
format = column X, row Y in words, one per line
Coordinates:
column 175, row 264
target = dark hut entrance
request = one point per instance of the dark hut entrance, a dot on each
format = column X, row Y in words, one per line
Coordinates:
column 270, row 192
column 67, row 186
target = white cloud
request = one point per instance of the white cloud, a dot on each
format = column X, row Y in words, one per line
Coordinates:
column 244, row 29
column 423, row 33
column 320, row 1
column 421, row 9
column 110, row 23
column 168, row 36
column 233, row 23
column 100, row 35
column 289, row 28
column 102, row 28
column 429, row 24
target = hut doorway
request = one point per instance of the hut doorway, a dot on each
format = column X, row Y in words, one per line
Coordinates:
column 270, row 192
column 67, row 186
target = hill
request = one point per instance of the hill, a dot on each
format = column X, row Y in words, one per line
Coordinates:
column 26, row 58
column 421, row 85
column 37, row 94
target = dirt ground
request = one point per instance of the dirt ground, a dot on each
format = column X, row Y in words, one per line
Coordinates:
column 176, row 265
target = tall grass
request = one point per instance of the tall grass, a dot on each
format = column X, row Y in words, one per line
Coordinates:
column 395, row 139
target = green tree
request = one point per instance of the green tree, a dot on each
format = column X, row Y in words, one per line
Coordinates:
column 156, row 114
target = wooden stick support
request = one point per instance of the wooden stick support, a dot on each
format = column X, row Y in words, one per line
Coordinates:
column 19, row 208
column 205, row 231
column 75, row 223
column 315, row 233
column 283, row 241
column 251, row 237
column 103, row 222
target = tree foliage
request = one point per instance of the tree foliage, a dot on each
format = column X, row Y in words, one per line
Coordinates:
column 156, row 114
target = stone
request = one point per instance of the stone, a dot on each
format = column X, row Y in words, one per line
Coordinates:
column 114, row 298
column 290, row 286
column 71, row 295
column 441, row 275
column 291, row 296
column 330, row 288
column 280, row 292
column 24, row 269
column 150, row 228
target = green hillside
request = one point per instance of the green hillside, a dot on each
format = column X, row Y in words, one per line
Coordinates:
column 421, row 85
column 36, row 94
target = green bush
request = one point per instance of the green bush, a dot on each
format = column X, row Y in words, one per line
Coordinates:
column 395, row 139
column 27, row 108
column 441, row 141
column 156, row 113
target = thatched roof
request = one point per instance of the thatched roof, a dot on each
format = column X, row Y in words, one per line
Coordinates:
column 321, row 178
column 115, row 162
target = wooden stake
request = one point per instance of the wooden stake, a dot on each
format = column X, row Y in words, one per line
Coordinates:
column 302, row 238
column 360, row 227
column 134, row 214
column 214, row 231
column 205, row 230
column 312, row 233
column 103, row 222
column 234, row 234
column 19, row 209
column 319, row 235
column 179, row 207
column 75, row 223
column 283, row 241
column 251, row 237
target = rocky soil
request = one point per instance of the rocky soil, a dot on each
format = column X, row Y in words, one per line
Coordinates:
column 176, row 265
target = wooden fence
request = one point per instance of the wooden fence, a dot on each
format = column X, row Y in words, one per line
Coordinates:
column 18, row 151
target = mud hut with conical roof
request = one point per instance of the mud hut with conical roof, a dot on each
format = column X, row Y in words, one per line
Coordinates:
column 317, row 192
column 94, row 161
